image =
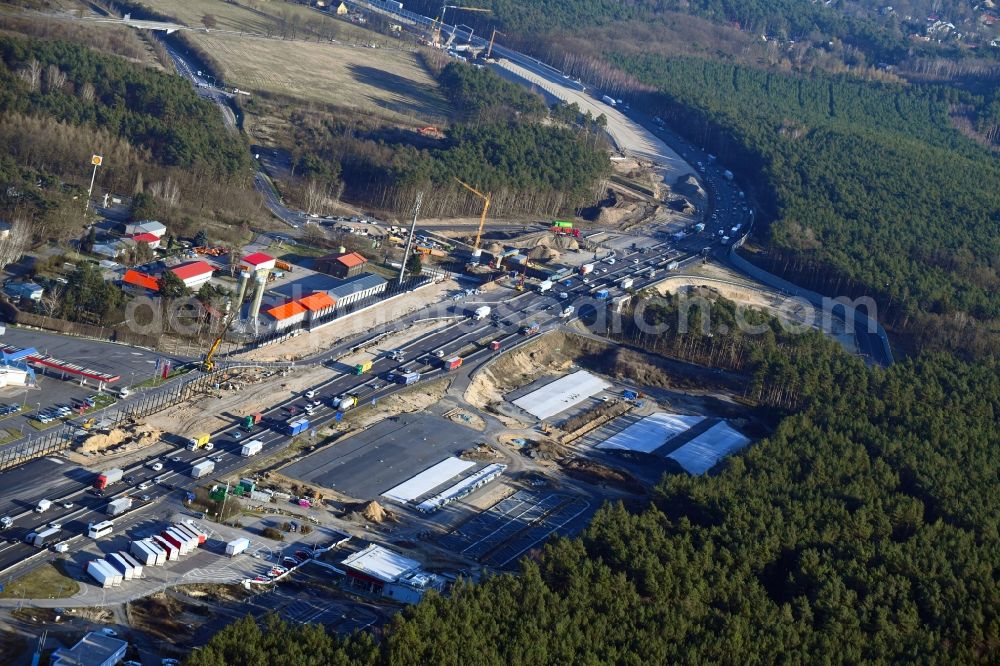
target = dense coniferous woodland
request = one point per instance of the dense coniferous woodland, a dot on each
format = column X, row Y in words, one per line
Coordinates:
column 864, row 530
column 499, row 145
column 866, row 188
column 62, row 101
column 148, row 108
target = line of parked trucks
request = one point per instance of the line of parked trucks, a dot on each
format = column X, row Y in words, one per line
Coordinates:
column 169, row 545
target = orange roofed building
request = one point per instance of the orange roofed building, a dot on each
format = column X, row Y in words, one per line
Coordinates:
column 139, row 280
column 341, row 264
column 317, row 305
column 286, row 315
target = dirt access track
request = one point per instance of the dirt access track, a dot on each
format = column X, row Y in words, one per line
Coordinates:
column 555, row 352
column 796, row 314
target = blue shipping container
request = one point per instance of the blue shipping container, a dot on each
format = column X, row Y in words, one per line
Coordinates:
column 296, row 426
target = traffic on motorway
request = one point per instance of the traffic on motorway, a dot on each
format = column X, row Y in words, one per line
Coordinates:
column 76, row 504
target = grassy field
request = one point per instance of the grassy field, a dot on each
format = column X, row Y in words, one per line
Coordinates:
column 228, row 16
column 266, row 17
column 391, row 82
column 46, row 582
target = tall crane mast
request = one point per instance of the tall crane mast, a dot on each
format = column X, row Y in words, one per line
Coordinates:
column 208, row 364
column 487, row 198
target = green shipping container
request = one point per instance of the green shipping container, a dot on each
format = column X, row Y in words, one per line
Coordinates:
column 563, row 225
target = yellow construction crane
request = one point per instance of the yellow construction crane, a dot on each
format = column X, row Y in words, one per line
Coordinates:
column 208, row 364
column 482, row 218
column 489, row 51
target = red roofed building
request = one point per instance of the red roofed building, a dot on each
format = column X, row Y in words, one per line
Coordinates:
column 286, row 315
column 258, row 261
column 140, row 280
column 194, row 273
column 317, row 305
column 341, row 264
column 152, row 240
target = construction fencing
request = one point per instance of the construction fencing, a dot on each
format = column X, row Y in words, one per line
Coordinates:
column 59, row 438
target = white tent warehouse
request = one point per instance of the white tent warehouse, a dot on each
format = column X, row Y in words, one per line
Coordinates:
column 561, row 394
column 650, row 433
column 428, row 480
column 702, row 452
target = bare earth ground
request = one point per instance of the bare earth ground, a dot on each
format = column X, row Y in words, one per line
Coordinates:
column 796, row 313
column 309, row 344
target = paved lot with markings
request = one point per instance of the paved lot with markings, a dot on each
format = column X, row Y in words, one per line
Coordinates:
column 390, row 452
column 516, row 524
column 131, row 364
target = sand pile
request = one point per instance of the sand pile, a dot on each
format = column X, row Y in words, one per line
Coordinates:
column 146, row 438
column 613, row 216
column 688, row 186
column 544, row 253
column 373, row 512
column 137, row 439
column 101, row 441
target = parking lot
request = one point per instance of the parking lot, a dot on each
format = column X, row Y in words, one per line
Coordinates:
column 516, row 524
column 383, row 456
column 131, row 364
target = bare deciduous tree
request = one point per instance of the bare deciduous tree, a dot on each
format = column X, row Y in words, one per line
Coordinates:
column 51, row 300
column 314, row 196
column 32, row 74
column 15, row 241
column 55, row 78
column 87, row 92
column 167, row 191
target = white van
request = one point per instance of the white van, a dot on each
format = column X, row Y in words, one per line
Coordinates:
column 123, row 392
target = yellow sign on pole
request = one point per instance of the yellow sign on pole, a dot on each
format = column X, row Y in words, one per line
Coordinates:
column 96, row 160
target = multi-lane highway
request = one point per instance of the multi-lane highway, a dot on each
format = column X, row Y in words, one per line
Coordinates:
column 75, row 504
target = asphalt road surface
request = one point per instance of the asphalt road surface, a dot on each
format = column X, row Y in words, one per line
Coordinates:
column 383, row 456
column 132, row 364
column 516, row 308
